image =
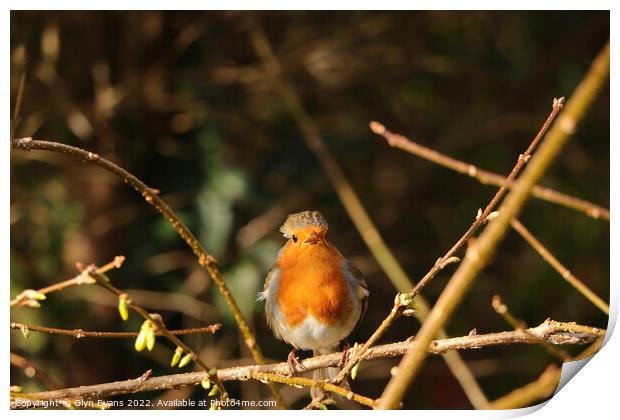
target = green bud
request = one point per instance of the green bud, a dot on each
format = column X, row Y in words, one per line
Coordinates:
column 122, row 307
column 214, row 391
column 25, row 331
column 33, row 294
column 322, row 406
column 354, row 370
column 150, row 339
column 176, row 357
column 141, row 340
column 406, row 299
column 185, row 360
column 206, row 383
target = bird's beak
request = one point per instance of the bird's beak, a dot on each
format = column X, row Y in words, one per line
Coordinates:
column 313, row 239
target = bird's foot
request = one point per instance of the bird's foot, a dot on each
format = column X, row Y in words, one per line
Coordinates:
column 345, row 354
column 293, row 363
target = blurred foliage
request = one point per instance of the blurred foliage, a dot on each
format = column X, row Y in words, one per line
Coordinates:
column 181, row 100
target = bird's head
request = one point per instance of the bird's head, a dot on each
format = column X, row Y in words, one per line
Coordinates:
column 305, row 228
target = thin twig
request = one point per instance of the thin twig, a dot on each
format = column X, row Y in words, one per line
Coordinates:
column 502, row 309
column 478, row 221
column 22, row 298
column 19, row 98
column 310, row 383
column 559, row 333
column 353, row 205
column 32, row 370
column 481, row 251
column 541, row 388
column 523, row 158
column 486, row 177
column 559, row 267
column 160, row 328
column 151, row 196
column 80, row 333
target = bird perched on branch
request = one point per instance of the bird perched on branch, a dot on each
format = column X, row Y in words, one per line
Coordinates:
column 314, row 297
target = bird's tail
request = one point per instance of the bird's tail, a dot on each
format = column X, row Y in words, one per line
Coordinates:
column 323, row 374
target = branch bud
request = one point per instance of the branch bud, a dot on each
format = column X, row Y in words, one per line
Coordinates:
column 122, row 307
column 185, row 360
column 176, row 357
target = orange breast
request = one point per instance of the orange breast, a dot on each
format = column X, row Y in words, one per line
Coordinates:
column 312, row 283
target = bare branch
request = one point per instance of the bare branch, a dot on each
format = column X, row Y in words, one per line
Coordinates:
column 82, row 278
column 486, row 177
column 32, row 370
column 557, row 333
column 20, row 95
column 151, row 196
column 541, row 388
column 354, row 207
column 449, row 257
column 160, row 328
column 502, row 309
column 80, row 333
column 481, row 251
column 559, row 267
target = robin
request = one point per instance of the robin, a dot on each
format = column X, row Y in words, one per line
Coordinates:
column 314, row 297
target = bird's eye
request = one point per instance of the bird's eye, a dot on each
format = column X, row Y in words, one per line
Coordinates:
column 294, row 238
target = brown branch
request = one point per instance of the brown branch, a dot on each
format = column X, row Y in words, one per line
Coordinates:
column 486, row 177
column 450, row 254
column 558, row 333
column 310, row 383
column 160, row 328
column 559, row 267
column 151, row 196
column 19, row 97
column 80, row 333
column 82, row 278
column 542, row 387
column 353, row 205
column 482, row 250
column 502, row 309
column 32, row 370
column 558, row 104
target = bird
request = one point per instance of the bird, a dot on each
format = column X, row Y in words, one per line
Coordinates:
column 314, row 297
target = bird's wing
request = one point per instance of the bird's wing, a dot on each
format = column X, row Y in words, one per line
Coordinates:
column 269, row 289
column 358, row 285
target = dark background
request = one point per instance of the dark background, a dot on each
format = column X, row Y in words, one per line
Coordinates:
column 181, row 100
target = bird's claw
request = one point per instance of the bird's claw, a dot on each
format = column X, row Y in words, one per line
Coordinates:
column 345, row 355
column 293, row 363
